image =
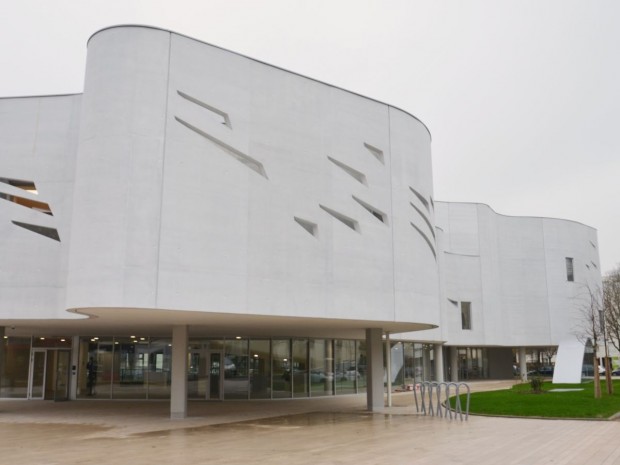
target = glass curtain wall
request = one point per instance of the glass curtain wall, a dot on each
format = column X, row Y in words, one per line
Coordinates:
column 130, row 371
column 397, row 357
column 236, row 369
column 362, row 364
column 14, row 363
column 197, row 370
column 473, row 363
column 345, row 367
column 409, row 366
column 300, row 368
column 140, row 367
column 321, row 367
column 260, row 369
column 124, row 368
column 96, row 364
column 159, row 365
column 282, row 373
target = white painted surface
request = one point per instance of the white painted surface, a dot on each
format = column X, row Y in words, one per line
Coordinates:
column 155, row 216
column 512, row 270
column 170, row 219
column 568, row 362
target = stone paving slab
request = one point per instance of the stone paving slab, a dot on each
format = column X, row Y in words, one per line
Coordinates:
column 333, row 430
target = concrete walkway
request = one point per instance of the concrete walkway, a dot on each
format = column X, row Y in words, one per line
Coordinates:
column 318, row 431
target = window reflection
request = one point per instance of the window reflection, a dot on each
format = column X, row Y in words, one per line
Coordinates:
column 14, row 362
column 398, row 363
column 236, row 369
column 260, row 369
column 300, row 368
column 159, row 366
column 346, row 373
column 282, row 368
column 130, row 374
column 321, row 367
column 361, row 366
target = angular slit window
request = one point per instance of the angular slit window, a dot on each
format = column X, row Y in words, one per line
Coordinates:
column 570, row 274
column 465, row 315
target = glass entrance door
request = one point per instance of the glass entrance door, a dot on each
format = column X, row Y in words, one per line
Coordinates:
column 215, row 376
column 36, row 380
column 49, row 374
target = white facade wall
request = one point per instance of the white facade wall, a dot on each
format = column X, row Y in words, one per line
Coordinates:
column 37, row 143
column 513, row 271
column 190, row 178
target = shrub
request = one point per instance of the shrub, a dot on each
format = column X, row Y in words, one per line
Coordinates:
column 537, row 383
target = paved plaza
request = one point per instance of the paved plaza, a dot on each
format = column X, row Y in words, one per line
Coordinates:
column 335, row 430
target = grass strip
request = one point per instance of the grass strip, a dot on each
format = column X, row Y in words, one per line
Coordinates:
column 522, row 402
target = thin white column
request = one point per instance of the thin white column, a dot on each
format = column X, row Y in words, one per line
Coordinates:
column 388, row 368
column 522, row 364
column 75, row 359
column 426, row 363
column 439, row 363
column 178, row 388
column 454, row 364
column 2, row 342
column 374, row 355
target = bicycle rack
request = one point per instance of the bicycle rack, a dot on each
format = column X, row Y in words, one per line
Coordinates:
column 435, row 399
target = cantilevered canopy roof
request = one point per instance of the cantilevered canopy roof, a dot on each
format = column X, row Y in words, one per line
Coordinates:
column 155, row 322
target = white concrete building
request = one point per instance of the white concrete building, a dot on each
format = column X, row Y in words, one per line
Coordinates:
column 199, row 224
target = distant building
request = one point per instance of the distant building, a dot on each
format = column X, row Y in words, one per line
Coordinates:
column 207, row 226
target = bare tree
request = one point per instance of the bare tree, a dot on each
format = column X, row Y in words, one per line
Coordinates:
column 549, row 353
column 590, row 328
column 611, row 306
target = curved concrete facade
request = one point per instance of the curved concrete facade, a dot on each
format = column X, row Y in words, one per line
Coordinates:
column 194, row 192
column 513, row 272
column 201, row 180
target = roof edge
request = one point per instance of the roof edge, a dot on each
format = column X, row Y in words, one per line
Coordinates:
column 261, row 62
column 518, row 216
column 42, row 96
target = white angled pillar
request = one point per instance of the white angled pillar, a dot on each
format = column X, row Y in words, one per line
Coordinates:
column 178, row 388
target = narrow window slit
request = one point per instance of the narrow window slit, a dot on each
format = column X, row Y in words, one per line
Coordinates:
column 374, row 211
column 350, row 222
column 309, row 226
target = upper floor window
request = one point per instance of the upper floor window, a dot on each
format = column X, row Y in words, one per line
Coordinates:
column 570, row 274
column 465, row 315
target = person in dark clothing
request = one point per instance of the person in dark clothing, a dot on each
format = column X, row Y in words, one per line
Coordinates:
column 91, row 374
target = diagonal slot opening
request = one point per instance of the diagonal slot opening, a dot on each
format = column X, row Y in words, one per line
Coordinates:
column 357, row 175
column 42, row 230
column 28, row 203
column 221, row 116
column 373, row 210
column 21, row 183
column 309, row 226
column 421, row 198
column 426, row 239
column 248, row 161
column 428, row 223
column 377, row 153
column 350, row 222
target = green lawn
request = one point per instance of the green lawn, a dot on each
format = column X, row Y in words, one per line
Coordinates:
column 520, row 401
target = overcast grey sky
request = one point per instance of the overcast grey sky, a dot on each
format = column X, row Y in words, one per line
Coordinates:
column 522, row 97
